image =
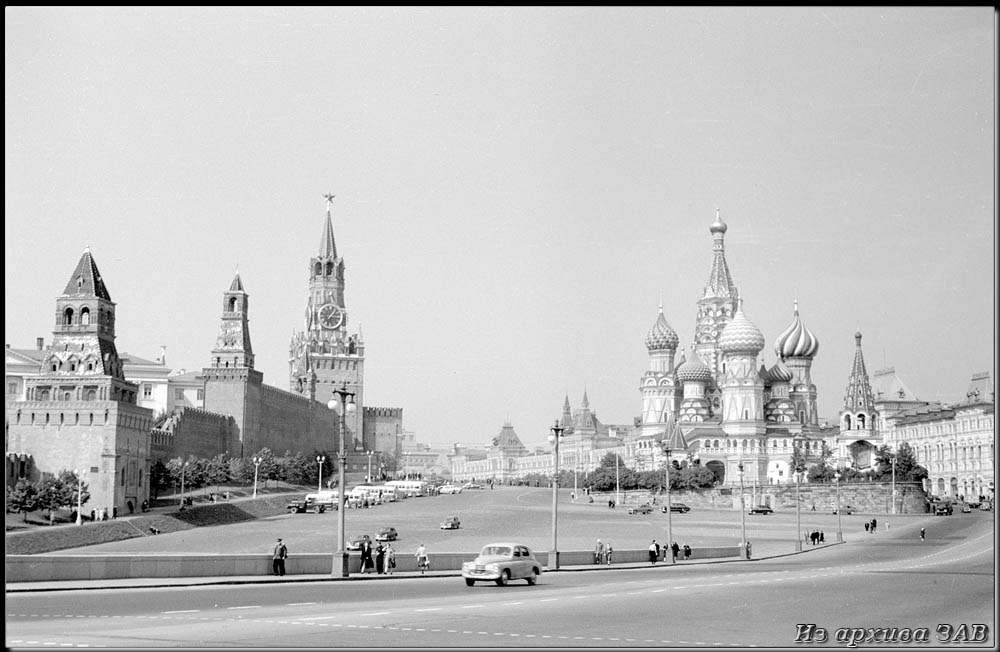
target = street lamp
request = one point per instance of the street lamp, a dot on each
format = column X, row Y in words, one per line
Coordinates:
column 799, row 468
column 556, row 435
column 319, row 483
column 183, row 468
column 743, row 511
column 893, row 458
column 341, row 407
column 369, row 454
column 618, row 497
column 666, row 453
column 256, row 466
column 79, row 496
column 840, row 532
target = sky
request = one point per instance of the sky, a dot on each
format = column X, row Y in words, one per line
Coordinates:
column 517, row 189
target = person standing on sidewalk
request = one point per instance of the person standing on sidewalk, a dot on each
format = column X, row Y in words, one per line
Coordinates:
column 278, row 558
column 423, row 561
column 654, row 552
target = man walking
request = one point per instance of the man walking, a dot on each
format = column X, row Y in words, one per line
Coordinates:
column 921, row 534
column 278, row 558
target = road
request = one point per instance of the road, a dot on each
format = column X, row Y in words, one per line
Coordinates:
column 891, row 580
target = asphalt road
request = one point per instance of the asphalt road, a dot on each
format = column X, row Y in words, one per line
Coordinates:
column 892, row 581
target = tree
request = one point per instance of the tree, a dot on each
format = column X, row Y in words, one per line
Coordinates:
column 54, row 494
column 907, row 469
column 217, row 471
column 159, row 478
column 22, row 498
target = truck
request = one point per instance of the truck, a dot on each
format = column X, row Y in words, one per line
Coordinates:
column 305, row 504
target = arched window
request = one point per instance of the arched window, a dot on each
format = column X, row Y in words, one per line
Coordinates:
column 68, row 316
column 319, row 269
column 85, row 316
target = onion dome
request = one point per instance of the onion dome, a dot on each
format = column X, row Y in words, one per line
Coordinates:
column 740, row 335
column 796, row 341
column 780, row 373
column 762, row 372
column 661, row 336
column 718, row 226
column 694, row 370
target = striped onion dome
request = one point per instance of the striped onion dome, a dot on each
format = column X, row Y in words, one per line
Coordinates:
column 661, row 336
column 779, row 373
column 694, row 370
column 796, row 341
column 740, row 335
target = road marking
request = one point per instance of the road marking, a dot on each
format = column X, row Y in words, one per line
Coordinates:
column 548, row 599
column 509, row 604
column 298, row 604
column 249, row 606
column 429, row 609
column 183, row 611
column 472, row 606
column 377, row 613
column 316, row 618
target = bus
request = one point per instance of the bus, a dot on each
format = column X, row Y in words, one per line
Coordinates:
column 409, row 488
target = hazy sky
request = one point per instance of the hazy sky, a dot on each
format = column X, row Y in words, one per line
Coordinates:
column 516, row 188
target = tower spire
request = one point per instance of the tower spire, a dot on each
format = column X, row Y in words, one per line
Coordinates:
column 327, row 246
column 859, row 396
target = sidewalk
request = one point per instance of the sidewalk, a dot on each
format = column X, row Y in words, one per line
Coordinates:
column 162, row 582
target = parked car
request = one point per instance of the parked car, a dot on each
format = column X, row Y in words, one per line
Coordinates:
column 354, row 543
column 680, row 508
column 641, row 509
column 966, row 509
column 387, row 534
column 450, row 523
column 761, row 509
column 472, row 485
column 501, row 563
column 449, row 489
column 847, row 509
column 943, row 509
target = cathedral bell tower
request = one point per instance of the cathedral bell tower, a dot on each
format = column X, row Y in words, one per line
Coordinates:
column 325, row 356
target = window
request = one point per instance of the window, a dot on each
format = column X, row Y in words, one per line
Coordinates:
column 147, row 390
column 179, row 394
column 12, row 388
column 201, row 395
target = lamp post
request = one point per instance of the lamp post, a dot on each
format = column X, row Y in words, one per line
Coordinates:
column 840, row 532
column 79, row 497
column 369, row 454
column 576, row 466
column 319, row 482
column 556, row 435
column 743, row 511
column 799, row 468
column 256, row 465
column 893, row 458
column 183, row 468
column 618, row 497
column 666, row 466
column 341, row 407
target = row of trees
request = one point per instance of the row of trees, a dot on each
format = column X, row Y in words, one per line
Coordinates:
column 50, row 494
column 608, row 476
column 821, row 471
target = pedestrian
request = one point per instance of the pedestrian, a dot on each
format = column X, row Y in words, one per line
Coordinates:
column 145, row 505
column 379, row 559
column 93, row 515
column 366, row 556
column 822, row 539
column 687, row 552
column 868, row 525
column 874, row 524
column 654, row 552
column 674, row 551
column 598, row 551
column 607, row 552
column 423, row 561
column 390, row 559
column 921, row 534
column 278, row 558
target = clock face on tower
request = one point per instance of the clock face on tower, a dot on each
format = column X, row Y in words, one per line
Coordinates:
column 330, row 315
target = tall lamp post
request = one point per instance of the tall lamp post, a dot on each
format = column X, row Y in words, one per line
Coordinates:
column 256, row 465
column 369, row 454
column 618, row 497
column 183, row 468
column 319, row 482
column 743, row 511
column 840, row 532
column 893, row 458
column 79, row 496
column 341, row 407
column 666, row 466
column 556, row 435
column 799, row 468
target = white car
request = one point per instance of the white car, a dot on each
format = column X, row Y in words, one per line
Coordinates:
column 501, row 563
column 449, row 489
